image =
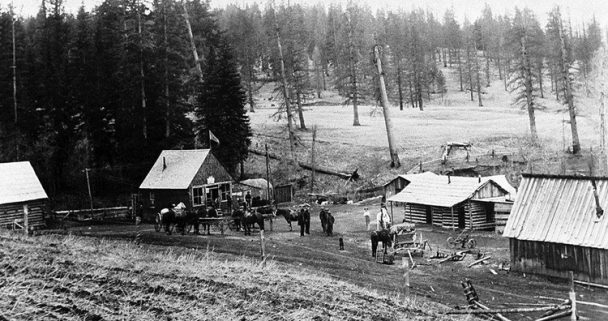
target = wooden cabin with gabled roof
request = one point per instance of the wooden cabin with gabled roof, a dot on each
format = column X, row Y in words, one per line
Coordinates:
column 194, row 177
column 451, row 201
column 21, row 192
column 558, row 224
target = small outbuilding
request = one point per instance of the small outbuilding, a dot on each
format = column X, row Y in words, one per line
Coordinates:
column 451, row 201
column 194, row 177
column 258, row 188
column 21, row 193
column 557, row 225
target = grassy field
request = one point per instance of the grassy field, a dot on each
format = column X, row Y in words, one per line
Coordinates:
column 79, row 278
column 498, row 125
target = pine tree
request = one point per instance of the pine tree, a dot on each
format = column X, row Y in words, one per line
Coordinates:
column 527, row 36
column 220, row 107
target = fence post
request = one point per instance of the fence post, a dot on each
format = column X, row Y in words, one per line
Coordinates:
column 572, row 295
column 26, row 223
column 263, row 246
column 406, row 276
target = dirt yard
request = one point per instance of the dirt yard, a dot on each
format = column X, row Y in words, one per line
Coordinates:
column 437, row 282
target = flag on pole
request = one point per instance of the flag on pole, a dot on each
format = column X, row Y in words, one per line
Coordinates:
column 213, row 138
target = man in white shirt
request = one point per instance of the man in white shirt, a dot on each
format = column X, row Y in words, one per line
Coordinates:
column 383, row 220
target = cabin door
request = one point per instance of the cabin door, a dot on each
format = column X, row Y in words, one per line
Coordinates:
column 429, row 215
column 461, row 217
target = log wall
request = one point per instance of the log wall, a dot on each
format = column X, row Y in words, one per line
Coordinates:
column 475, row 216
column 14, row 211
column 502, row 211
column 414, row 213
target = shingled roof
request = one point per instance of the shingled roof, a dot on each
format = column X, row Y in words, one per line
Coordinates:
column 175, row 169
column 19, row 183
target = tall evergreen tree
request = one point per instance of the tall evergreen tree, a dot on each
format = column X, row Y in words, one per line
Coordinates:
column 527, row 36
column 220, row 107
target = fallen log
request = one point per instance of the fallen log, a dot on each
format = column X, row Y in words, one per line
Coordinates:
column 555, row 316
column 261, row 153
column 591, row 284
column 513, row 310
column 325, row 170
column 319, row 169
column 498, row 315
column 479, row 261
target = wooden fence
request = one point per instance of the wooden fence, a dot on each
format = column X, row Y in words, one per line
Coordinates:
column 97, row 214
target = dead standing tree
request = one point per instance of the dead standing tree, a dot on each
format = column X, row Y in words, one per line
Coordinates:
column 285, row 93
column 197, row 61
column 387, row 118
column 566, row 75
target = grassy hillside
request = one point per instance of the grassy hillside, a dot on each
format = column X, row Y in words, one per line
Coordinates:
column 78, row 278
column 452, row 117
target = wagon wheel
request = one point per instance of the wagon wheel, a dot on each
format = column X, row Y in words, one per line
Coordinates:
column 451, row 242
column 471, row 243
column 157, row 223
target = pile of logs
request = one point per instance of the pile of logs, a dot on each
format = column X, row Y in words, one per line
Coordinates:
column 551, row 312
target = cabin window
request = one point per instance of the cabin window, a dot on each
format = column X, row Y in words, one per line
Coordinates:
column 225, row 191
column 152, row 198
column 197, row 196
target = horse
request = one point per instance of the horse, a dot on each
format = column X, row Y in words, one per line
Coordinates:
column 385, row 236
column 186, row 222
column 167, row 219
column 327, row 222
column 289, row 215
column 248, row 219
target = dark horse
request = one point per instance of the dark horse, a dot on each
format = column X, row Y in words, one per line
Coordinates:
column 186, row 222
column 384, row 236
column 248, row 219
column 167, row 219
column 327, row 222
column 289, row 215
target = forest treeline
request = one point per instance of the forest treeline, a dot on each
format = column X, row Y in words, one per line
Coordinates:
column 112, row 87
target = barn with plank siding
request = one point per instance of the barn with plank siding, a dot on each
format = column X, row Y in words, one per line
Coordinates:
column 194, row 177
column 20, row 191
column 554, row 227
column 451, row 201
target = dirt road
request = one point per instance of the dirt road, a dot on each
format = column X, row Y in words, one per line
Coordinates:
column 437, row 282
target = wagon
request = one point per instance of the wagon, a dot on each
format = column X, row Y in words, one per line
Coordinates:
column 463, row 240
column 406, row 239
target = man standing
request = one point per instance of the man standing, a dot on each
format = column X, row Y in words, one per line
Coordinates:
column 306, row 215
column 383, row 220
column 304, row 221
column 248, row 199
column 366, row 216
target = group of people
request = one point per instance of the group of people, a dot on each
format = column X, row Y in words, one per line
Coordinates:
column 383, row 219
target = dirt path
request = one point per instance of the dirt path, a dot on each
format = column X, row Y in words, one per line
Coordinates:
column 437, row 282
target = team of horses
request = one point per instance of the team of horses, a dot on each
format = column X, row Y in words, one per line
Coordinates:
column 178, row 218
